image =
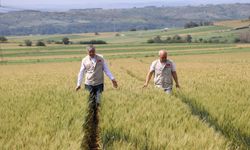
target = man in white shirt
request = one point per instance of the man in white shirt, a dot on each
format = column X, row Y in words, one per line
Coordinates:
column 164, row 71
column 93, row 66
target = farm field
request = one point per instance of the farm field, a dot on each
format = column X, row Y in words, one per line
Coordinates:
column 39, row 108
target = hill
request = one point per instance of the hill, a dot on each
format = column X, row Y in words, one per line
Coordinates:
column 103, row 20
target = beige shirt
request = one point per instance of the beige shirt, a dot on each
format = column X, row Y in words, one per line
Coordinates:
column 163, row 73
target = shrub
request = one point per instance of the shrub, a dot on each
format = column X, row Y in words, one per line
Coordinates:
column 150, row 41
column 40, row 43
column 58, row 42
column 65, row 40
column 200, row 39
column 169, row 38
column 157, row 39
column 191, row 25
column 50, row 41
column 236, row 40
column 93, row 42
column 3, row 39
column 189, row 38
column 28, row 42
column 174, row 39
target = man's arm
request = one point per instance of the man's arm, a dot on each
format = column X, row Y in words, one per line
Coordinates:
column 174, row 74
column 80, row 77
column 149, row 76
column 109, row 74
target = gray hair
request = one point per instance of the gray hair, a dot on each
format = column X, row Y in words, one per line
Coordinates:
column 163, row 51
column 90, row 48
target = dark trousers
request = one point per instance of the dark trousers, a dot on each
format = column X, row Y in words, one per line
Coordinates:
column 95, row 92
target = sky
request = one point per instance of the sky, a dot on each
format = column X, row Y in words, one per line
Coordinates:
column 78, row 4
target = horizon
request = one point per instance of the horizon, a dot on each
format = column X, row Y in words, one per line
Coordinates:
column 59, row 5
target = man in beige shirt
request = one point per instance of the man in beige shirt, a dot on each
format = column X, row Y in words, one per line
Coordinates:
column 164, row 71
column 94, row 67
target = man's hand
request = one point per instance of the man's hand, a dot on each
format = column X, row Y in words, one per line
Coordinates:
column 78, row 88
column 145, row 85
column 149, row 75
column 115, row 85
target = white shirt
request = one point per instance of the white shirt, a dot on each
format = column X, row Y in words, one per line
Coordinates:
column 82, row 70
column 152, row 67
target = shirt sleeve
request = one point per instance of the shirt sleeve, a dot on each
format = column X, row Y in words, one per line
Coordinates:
column 173, row 67
column 107, row 71
column 80, row 74
column 152, row 67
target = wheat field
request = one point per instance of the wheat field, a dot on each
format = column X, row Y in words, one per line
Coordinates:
column 39, row 108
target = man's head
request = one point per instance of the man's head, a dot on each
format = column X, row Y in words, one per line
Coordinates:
column 91, row 51
column 163, row 55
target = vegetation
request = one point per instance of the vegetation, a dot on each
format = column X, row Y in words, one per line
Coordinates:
column 58, row 42
column 189, row 38
column 174, row 39
column 28, row 42
column 3, row 39
column 65, row 41
column 133, row 29
column 194, row 24
column 93, row 42
column 40, row 43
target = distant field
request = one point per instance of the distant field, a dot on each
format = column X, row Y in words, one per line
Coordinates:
column 233, row 23
column 126, row 45
column 128, row 37
column 76, row 52
column 39, row 108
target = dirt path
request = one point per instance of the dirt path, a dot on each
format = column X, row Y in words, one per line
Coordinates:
column 90, row 127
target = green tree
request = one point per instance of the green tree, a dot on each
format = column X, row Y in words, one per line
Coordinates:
column 236, row 40
column 28, row 42
column 65, row 40
column 176, row 39
column 157, row 39
column 189, row 38
column 3, row 39
column 200, row 39
column 150, row 41
column 169, row 39
column 40, row 43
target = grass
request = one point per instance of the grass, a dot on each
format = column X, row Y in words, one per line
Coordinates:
column 48, row 113
column 115, row 50
column 121, row 54
column 33, row 115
